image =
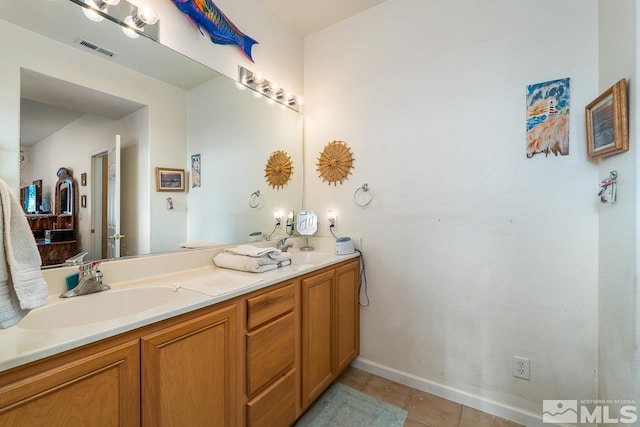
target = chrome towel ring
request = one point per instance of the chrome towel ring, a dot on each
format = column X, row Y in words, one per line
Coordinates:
column 363, row 196
column 255, row 199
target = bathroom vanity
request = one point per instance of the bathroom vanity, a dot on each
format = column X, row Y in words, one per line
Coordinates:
column 256, row 356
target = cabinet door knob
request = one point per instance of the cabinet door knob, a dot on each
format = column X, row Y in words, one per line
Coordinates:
column 116, row 237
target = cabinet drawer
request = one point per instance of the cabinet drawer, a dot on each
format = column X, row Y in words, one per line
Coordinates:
column 275, row 406
column 270, row 305
column 270, row 352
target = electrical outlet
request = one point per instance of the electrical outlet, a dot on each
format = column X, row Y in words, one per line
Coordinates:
column 521, row 367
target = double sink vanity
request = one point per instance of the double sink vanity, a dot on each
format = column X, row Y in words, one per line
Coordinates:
column 248, row 349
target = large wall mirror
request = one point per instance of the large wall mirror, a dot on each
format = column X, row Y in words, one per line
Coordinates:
column 65, row 105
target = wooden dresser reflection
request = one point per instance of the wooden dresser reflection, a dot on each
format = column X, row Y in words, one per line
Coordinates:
column 51, row 251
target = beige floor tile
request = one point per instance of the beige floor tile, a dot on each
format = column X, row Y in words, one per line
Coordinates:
column 409, row 422
column 354, row 377
column 432, row 410
column 383, row 389
column 474, row 418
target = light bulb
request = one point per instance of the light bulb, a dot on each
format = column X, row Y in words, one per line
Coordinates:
column 147, row 14
column 91, row 12
column 129, row 28
column 254, row 78
column 331, row 216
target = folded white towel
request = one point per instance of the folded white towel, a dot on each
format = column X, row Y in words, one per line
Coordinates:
column 253, row 251
column 248, row 263
column 22, row 286
column 282, row 256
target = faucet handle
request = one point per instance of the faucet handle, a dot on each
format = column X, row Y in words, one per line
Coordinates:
column 88, row 267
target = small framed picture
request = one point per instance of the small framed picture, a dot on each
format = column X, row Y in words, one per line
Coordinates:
column 607, row 122
column 83, row 179
column 83, row 201
column 169, row 179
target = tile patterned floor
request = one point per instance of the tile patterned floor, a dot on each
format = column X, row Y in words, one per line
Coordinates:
column 424, row 409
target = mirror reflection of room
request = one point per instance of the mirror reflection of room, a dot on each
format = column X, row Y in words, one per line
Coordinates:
column 188, row 108
column 80, row 138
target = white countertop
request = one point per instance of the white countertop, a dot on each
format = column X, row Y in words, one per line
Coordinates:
column 21, row 345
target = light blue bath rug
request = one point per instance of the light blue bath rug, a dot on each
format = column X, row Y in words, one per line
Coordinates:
column 343, row 406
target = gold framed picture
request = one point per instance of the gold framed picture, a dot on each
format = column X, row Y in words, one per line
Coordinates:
column 170, row 179
column 607, row 122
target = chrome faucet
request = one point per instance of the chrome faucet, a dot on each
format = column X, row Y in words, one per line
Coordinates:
column 90, row 281
column 76, row 259
column 282, row 245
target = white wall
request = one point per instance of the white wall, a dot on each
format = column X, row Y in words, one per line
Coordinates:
column 474, row 253
column 618, row 279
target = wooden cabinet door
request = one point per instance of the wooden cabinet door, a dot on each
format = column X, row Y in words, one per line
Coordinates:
column 317, row 336
column 100, row 389
column 347, row 316
column 189, row 372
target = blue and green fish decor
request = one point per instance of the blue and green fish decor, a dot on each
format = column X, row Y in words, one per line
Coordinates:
column 205, row 15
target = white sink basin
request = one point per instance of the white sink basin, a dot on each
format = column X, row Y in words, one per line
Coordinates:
column 98, row 307
column 310, row 257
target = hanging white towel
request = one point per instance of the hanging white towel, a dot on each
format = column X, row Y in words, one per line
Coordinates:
column 22, row 286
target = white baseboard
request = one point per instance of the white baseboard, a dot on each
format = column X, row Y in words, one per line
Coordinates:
column 500, row 410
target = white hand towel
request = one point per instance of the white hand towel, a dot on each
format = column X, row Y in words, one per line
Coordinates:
column 247, row 263
column 282, row 256
column 252, row 251
column 22, row 286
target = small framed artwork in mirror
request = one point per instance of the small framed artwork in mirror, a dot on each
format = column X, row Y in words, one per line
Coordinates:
column 169, row 179
column 83, row 201
column 83, row 179
column 606, row 122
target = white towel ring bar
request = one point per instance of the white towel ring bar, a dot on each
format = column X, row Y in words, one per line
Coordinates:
column 366, row 193
column 255, row 199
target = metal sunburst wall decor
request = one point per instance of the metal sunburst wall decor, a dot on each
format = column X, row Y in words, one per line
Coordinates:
column 335, row 162
column 278, row 169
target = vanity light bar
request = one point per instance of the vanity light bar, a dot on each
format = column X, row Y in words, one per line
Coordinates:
column 135, row 20
column 257, row 82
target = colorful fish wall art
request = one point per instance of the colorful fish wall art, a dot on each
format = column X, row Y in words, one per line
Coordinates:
column 205, row 15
